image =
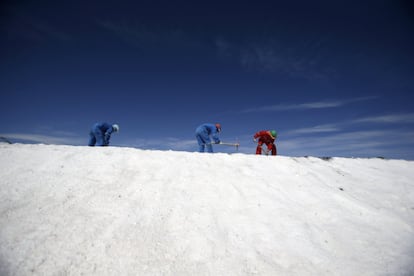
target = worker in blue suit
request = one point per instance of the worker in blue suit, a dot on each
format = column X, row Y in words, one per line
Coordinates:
column 203, row 133
column 100, row 134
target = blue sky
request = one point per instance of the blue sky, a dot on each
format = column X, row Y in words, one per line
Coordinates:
column 334, row 79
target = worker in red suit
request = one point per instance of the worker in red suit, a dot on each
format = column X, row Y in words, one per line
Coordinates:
column 267, row 137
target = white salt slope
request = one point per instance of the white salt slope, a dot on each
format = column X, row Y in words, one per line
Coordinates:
column 68, row 210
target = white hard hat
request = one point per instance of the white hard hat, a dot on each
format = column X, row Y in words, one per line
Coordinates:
column 115, row 127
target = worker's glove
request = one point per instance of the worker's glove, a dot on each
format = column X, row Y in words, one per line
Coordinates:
column 254, row 140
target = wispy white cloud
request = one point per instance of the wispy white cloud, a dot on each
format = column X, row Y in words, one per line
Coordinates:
column 46, row 30
column 316, row 129
column 305, row 106
column 271, row 55
column 339, row 126
column 139, row 35
column 34, row 29
column 224, row 48
column 391, row 118
column 286, row 107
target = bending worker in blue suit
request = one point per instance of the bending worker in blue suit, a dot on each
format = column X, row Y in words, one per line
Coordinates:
column 203, row 133
column 100, row 134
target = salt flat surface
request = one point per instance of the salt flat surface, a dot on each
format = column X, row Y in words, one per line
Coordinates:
column 67, row 210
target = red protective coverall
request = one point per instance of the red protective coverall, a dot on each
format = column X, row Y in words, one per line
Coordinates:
column 265, row 137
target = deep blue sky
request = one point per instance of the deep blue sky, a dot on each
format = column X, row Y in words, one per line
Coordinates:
column 334, row 78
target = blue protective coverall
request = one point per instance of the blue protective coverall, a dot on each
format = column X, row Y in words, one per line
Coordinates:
column 203, row 133
column 100, row 134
